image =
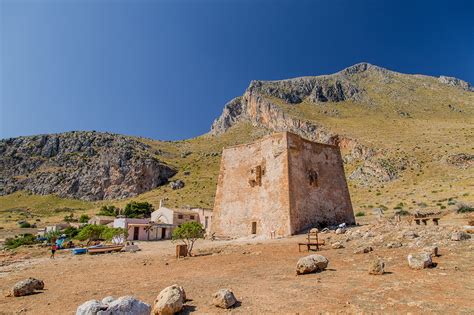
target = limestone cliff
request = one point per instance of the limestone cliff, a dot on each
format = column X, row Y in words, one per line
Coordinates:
column 83, row 165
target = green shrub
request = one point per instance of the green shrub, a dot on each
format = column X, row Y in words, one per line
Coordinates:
column 20, row 240
column 96, row 232
column 110, row 211
column 70, row 218
column 135, row 209
column 464, row 208
column 84, row 218
column 25, row 225
column 189, row 233
column 360, row 214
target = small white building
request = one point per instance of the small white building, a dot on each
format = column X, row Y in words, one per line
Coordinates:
column 177, row 216
column 143, row 229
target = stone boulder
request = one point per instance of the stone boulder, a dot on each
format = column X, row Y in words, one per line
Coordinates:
column 420, row 260
column 376, row 267
column 337, row 245
column 460, row 236
column 126, row 305
column 169, row 301
column 177, row 184
column 26, row 287
column 340, row 231
column 92, row 307
column 224, row 298
column 433, row 250
column 311, row 263
column 363, row 250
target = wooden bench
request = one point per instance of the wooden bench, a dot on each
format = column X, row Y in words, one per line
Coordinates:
column 425, row 220
column 312, row 241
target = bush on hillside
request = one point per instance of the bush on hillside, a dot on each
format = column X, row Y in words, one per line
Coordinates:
column 20, row 240
column 84, row 218
column 135, row 209
column 110, row 211
column 360, row 214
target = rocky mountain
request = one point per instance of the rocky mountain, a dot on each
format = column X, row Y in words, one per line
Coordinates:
column 304, row 105
column 400, row 134
column 83, row 165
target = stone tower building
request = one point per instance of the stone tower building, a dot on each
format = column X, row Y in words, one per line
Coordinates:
column 280, row 184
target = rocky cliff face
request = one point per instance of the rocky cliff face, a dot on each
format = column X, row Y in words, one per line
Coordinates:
column 84, row 165
column 258, row 106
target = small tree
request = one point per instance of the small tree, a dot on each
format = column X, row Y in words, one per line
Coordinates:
column 136, row 209
column 84, row 218
column 110, row 211
column 189, row 233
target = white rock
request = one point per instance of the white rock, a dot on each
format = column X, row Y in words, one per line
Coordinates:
column 340, row 231
column 108, row 299
column 311, row 263
column 420, row 260
column 337, row 245
column 224, row 298
column 91, row 307
column 169, row 301
column 126, row 305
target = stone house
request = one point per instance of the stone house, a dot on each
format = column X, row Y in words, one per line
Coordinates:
column 280, row 185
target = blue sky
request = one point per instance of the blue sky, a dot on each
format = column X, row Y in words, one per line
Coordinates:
column 165, row 69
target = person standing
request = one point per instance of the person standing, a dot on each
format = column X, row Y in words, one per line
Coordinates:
column 54, row 247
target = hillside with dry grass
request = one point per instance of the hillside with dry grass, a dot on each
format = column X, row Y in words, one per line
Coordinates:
column 407, row 142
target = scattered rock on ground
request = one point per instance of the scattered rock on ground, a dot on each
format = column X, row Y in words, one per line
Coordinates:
column 108, row 299
column 26, row 287
column 340, row 231
column 337, row 245
column 364, row 250
column 394, row 245
column 311, row 263
column 177, row 184
column 420, row 261
column 126, row 305
column 433, row 250
column 377, row 267
column 110, row 306
column 224, row 298
column 460, row 236
column 169, row 301
column 91, row 307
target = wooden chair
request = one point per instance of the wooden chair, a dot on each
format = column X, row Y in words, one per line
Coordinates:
column 312, row 241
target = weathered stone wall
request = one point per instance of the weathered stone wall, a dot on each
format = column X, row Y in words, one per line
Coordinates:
column 241, row 199
column 302, row 184
column 318, row 189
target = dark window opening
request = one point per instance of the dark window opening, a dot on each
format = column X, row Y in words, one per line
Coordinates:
column 192, row 217
column 257, row 178
column 254, row 227
column 313, row 178
column 180, row 216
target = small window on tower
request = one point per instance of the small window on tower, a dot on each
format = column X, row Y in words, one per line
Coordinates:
column 313, row 178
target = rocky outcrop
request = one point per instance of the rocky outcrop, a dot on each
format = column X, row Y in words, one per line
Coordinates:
column 83, row 165
column 458, row 83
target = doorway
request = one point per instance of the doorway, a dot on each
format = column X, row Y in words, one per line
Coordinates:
column 254, row 227
column 136, row 231
column 163, row 233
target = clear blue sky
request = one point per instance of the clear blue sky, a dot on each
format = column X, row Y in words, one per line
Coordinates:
column 165, row 69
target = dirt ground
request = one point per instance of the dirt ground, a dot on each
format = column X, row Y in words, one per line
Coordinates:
column 261, row 274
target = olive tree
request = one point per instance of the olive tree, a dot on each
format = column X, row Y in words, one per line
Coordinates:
column 189, row 233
